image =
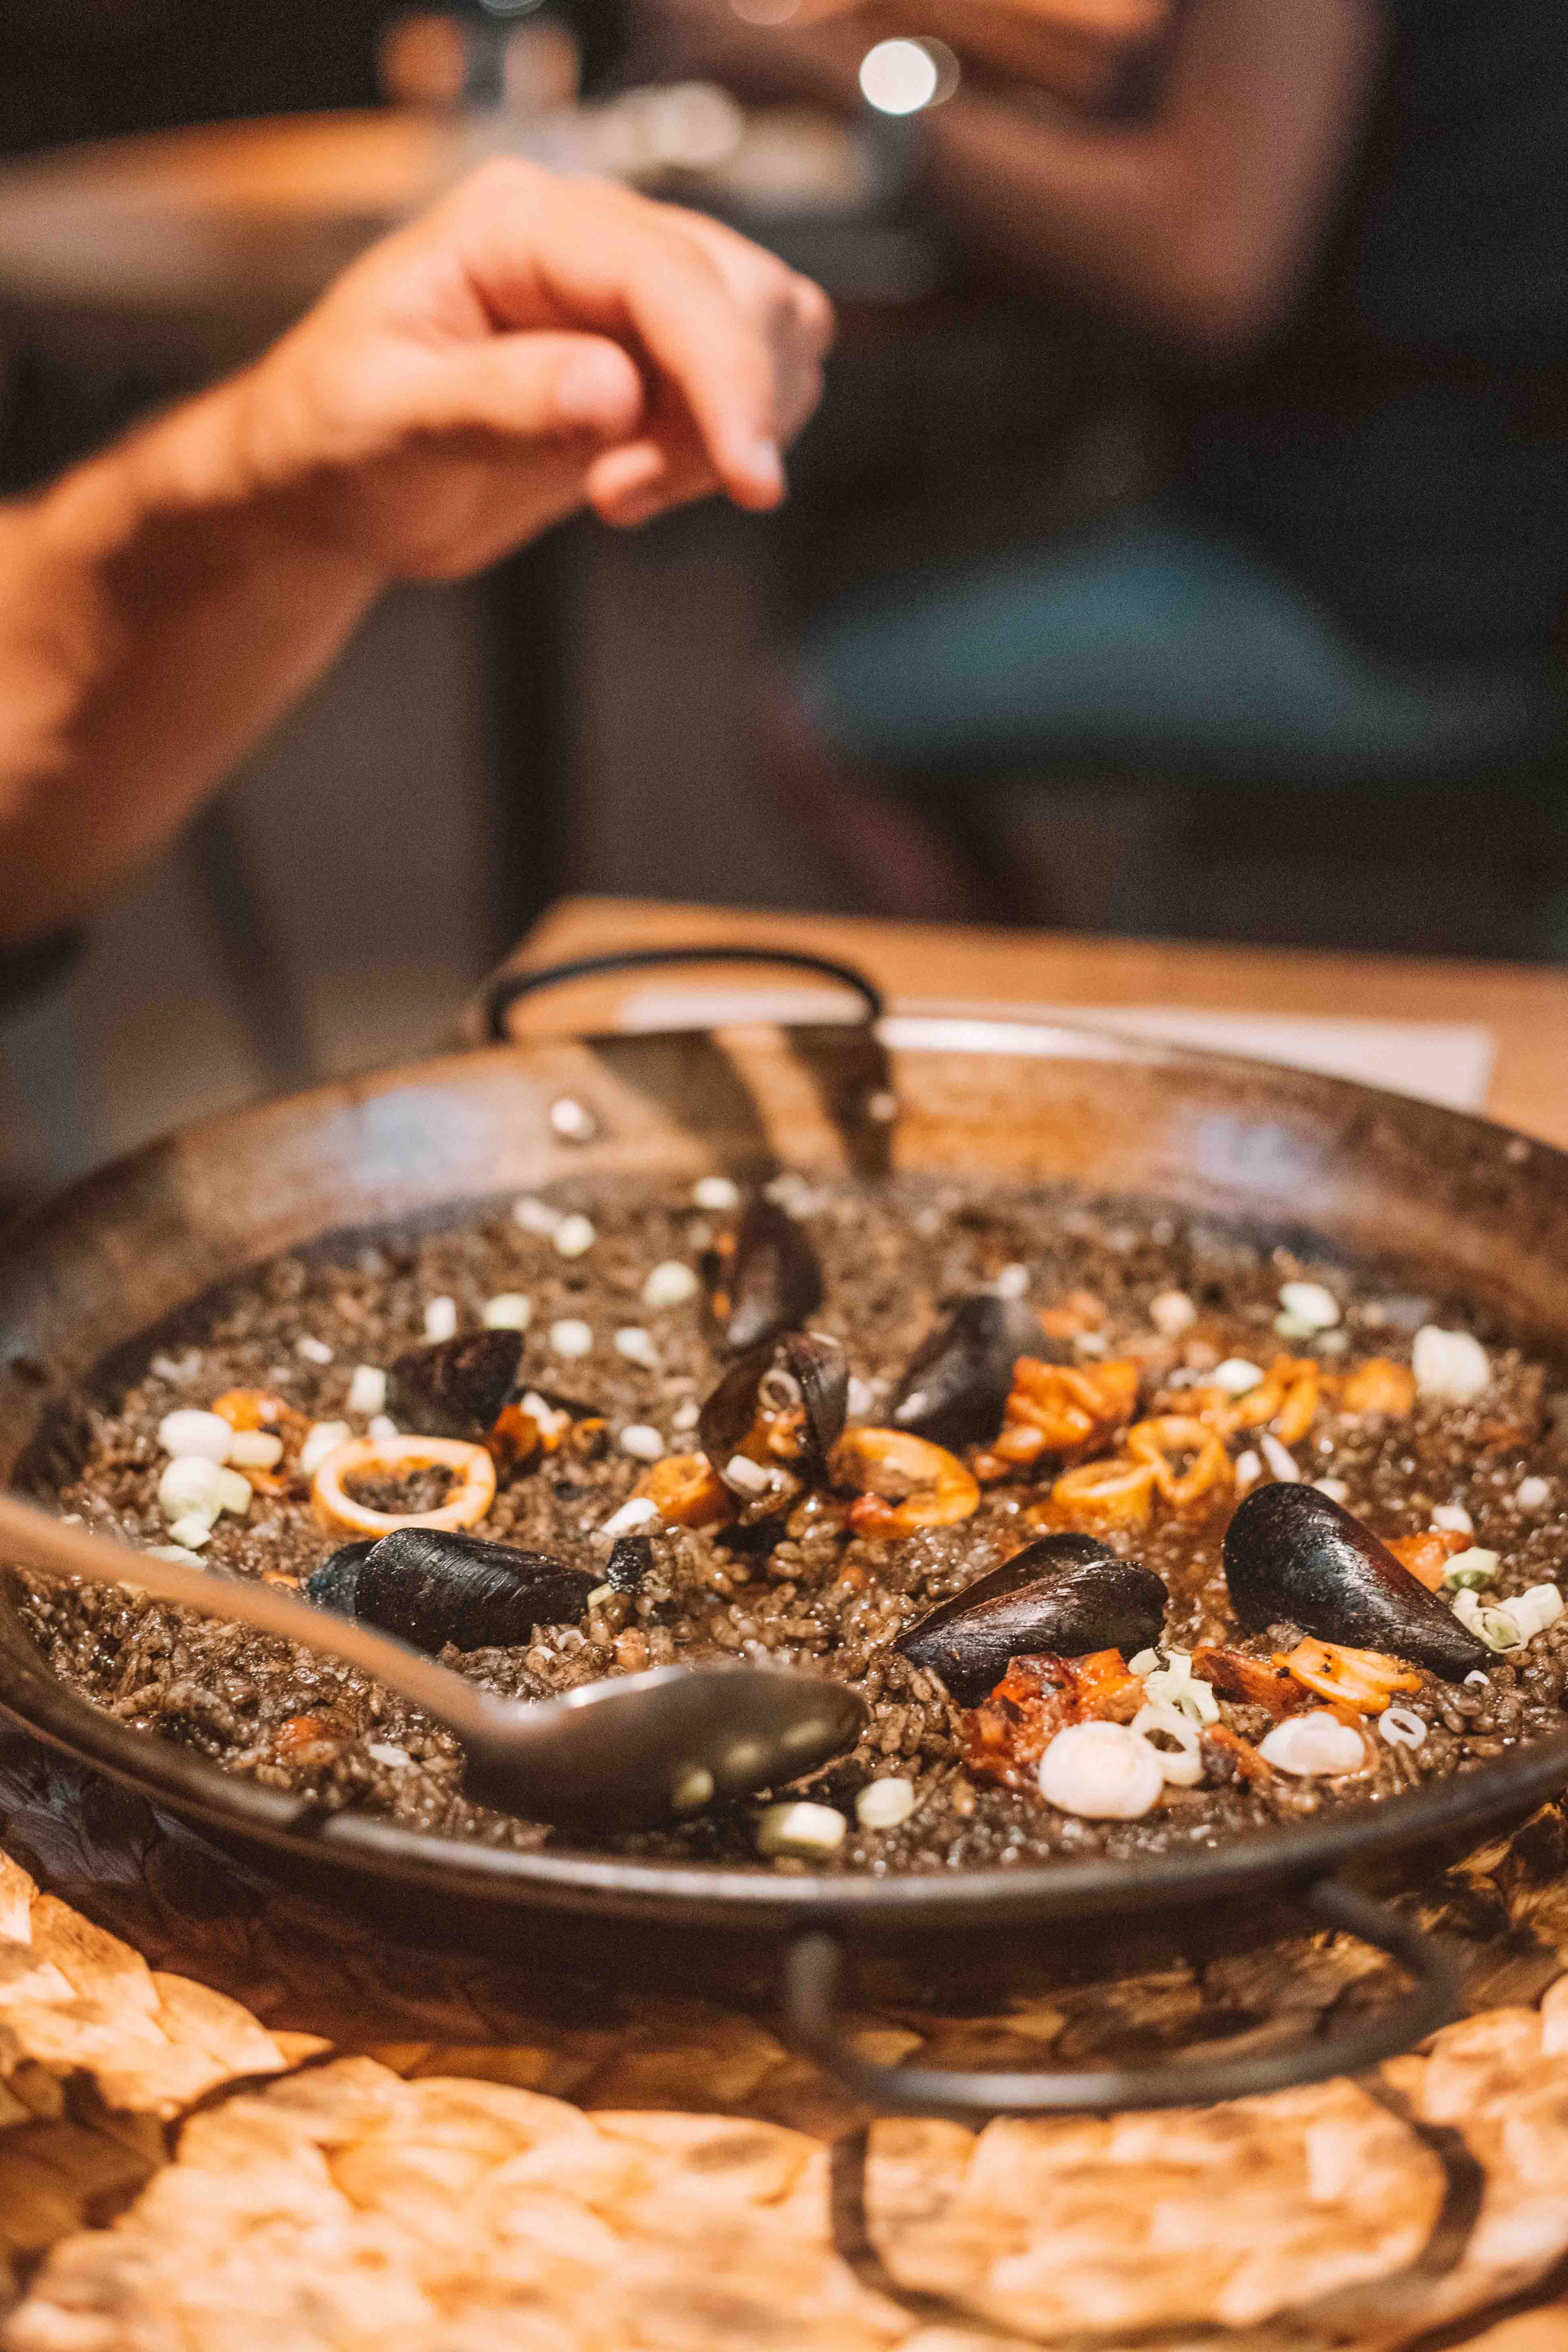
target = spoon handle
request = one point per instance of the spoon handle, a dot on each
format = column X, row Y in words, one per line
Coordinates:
column 30, row 1535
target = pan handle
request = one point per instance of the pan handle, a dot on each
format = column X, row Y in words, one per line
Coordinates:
column 512, row 986
column 814, row 1972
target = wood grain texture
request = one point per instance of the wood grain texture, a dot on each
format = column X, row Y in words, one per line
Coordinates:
column 1526, row 1008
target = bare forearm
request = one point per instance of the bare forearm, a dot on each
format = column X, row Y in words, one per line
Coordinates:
column 533, row 345
column 1200, row 222
column 1089, row 210
column 155, row 617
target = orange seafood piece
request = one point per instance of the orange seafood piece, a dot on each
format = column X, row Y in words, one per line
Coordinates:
column 258, row 1408
column 513, row 1438
column 1227, row 1756
column 1379, row 1385
column 1106, row 1689
column 301, row 1731
column 1081, row 1310
column 394, row 1457
column 1057, row 1408
column 1254, row 1680
column 1156, row 1441
column 687, row 1491
column 1006, row 1734
column 254, row 1409
column 902, row 1483
column 1301, row 1381
column 1363, row 1680
column 1098, row 1495
column 1286, row 1398
column 1426, row 1556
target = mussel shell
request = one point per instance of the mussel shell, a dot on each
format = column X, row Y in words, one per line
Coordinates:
column 456, row 1388
column 772, row 1281
column 335, row 1584
column 430, row 1586
column 631, row 1556
column 1063, row 1596
column 956, row 1389
column 1294, row 1555
column 820, row 1370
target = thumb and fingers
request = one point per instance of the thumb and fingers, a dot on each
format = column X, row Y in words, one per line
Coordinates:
column 603, row 346
column 548, row 386
column 541, row 252
column 668, row 465
column 671, row 463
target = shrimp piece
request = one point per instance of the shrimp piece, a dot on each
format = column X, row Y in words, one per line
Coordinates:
column 1427, row 1555
column 1235, row 1675
column 1057, row 1408
column 1362, row 1680
column 902, row 1483
column 687, row 1492
column 1285, row 1400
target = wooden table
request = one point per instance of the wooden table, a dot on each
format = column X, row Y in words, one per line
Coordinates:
column 181, row 253
column 1526, row 1009
column 312, row 2134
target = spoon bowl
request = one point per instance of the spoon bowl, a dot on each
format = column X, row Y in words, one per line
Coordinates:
column 615, row 1754
column 662, row 1745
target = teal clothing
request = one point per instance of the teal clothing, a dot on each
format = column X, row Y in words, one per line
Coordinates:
column 1151, row 647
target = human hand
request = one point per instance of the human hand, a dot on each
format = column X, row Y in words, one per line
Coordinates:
column 534, row 343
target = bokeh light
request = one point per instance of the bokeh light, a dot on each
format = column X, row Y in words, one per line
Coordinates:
column 899, row 77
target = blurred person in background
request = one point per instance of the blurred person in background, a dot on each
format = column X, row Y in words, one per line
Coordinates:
column 1345, row 223
column 533, row 346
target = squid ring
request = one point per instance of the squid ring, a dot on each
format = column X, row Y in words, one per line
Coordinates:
column 1111, row 1493
column 364, row 1457
column 1147, row 1442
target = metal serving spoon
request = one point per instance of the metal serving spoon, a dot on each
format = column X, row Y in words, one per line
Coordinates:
column 615, row 1754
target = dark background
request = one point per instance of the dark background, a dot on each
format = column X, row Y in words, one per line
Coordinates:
column 87, row 69
column 479, row 751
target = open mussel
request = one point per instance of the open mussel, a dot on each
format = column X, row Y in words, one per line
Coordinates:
column 429, row 1586
column 766, row 1278
column 785, row 1402
column 1293, row 1555
column 1064, row 1596
column 456, row 1388
column 956, row 1389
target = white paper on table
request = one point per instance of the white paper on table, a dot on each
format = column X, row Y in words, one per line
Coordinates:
column 1447, row 1062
